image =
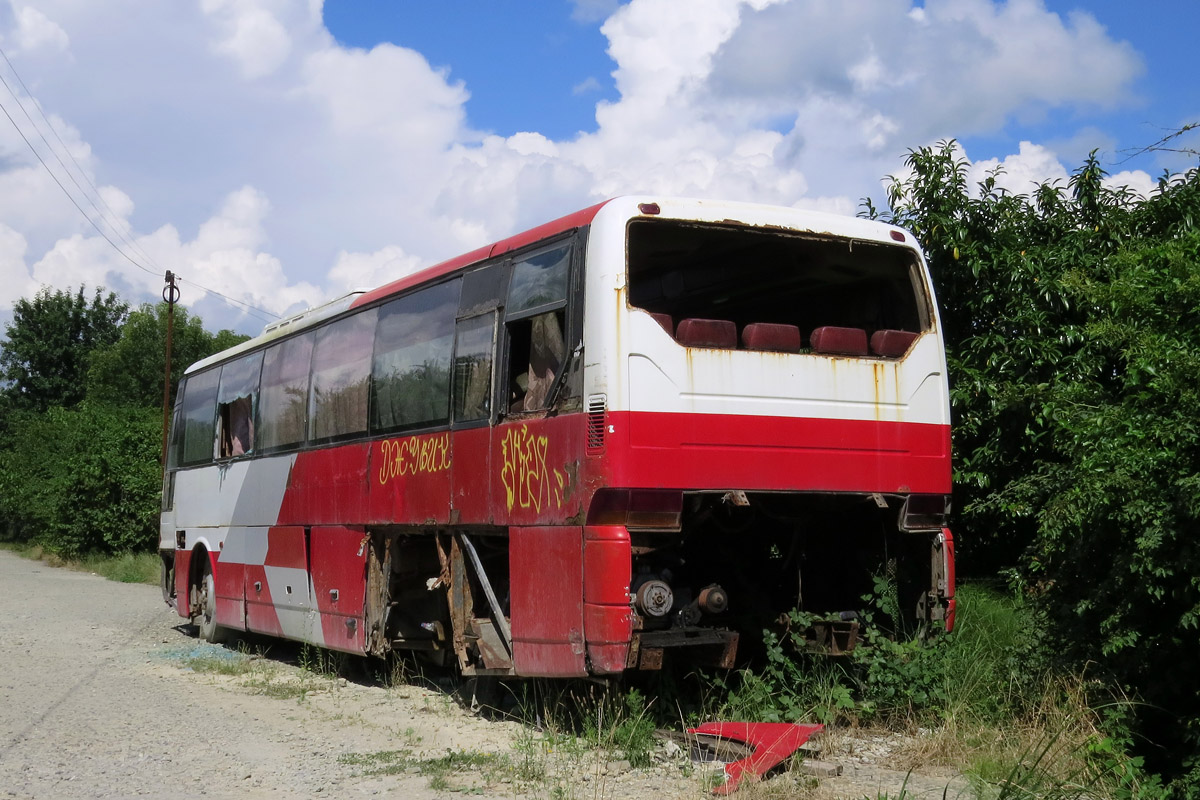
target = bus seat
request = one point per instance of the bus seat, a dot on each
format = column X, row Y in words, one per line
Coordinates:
column 696, row 332
column 839, row 341
column 891, row 344
column 771, row 336
column 665, row 320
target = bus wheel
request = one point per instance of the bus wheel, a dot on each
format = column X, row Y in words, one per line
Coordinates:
column 210, row 631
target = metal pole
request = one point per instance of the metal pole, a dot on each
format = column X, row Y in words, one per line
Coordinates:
column 170, row 295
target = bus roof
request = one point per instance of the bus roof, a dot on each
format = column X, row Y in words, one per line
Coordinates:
column 837, row 224
column 576, row 220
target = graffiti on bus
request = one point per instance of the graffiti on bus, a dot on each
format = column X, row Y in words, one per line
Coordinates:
column 415, row 456
column 528, row 481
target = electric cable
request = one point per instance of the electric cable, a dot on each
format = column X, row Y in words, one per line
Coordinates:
column 251, row 309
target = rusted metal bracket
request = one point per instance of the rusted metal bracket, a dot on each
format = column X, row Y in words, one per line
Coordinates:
column 501, row 620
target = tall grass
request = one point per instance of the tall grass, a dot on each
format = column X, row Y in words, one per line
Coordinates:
column 123, row 568
column 987, row 700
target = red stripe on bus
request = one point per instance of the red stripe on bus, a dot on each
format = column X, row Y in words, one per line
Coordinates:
column 726, row 451
column 576, row 220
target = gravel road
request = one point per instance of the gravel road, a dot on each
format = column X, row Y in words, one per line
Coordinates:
column 104, row 693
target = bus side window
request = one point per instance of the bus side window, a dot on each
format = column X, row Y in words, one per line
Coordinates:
column 199, row 417
column 537, row 351
column 473, row 367
column 236, row 401
column 341, row 371
column 535, row 323
column 410, row 379
column 283, row 403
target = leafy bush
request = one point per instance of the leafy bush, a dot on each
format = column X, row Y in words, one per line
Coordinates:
column 83, row 480
column 1072, row 320
column 988, row 670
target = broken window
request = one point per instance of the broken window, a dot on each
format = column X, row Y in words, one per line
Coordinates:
column 745, row 276
column 236, row 402
column 536, row 317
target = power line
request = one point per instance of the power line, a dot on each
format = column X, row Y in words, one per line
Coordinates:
column 95, row 191
column 251, row 309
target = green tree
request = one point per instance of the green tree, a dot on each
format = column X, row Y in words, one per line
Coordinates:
column 44, row 361
column 130, row 370
column 1072, row 322
column 83, row 479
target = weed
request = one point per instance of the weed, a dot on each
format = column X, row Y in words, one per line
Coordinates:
column 123, row 568
column 439, row 770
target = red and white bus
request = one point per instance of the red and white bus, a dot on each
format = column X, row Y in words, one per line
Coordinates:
column 644, row 428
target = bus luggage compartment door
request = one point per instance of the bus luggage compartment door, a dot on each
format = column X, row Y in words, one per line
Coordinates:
column 546, row 581
column 339, row 579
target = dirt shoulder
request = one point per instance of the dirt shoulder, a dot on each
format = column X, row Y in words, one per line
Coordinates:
column 103, row 693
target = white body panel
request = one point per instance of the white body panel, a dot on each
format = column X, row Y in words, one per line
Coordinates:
column 632, row 360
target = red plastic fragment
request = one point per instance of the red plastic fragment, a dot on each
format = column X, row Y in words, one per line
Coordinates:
column 773, row 742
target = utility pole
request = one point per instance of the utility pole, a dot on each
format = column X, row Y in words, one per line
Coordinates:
column 171, row 295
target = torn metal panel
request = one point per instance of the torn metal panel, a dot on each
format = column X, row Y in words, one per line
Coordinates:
column 773, row 743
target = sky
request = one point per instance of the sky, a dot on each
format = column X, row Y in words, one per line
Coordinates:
column 278, row 153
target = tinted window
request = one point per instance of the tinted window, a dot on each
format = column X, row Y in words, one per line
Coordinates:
column 284, row 398
column 539, row 279
column 473, row 368
column 175, row 449
column 236, row 403
column 413, row 343
column 199, row 416
column 340, row 374
column 483, row 290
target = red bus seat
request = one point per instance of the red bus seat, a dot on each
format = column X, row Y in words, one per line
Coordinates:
column 697, row 332
column 891, row 344
column 771, row 336
column 839, row 341
column 665, row 320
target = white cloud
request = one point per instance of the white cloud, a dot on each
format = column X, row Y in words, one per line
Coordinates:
column 1136, row 181
column 15, row 280
column 367, row 270
column 1022, row 172
column 264, row 160
column 586, row 86
column 36, row 31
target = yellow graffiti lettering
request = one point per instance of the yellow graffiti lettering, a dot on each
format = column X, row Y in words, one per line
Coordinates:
column 415, row 456
column 526, row 478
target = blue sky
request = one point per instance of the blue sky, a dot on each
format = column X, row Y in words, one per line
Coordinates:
column 281, row 152
column 540, row 66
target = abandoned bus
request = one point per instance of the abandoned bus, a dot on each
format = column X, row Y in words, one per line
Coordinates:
column 646, row 428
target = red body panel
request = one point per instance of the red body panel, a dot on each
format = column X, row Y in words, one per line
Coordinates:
column 546, row 585
column 229, row 580
column 261, row 615
column 410, row 479
column 328, row 486
column 952, row 604
column 286, row 548
column 716, row 451
column 607, row 618
column 472, row 498
column 535, row 470
column 183, row 582
column 339, row 569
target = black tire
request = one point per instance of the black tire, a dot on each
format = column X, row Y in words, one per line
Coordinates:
column 206, row 620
